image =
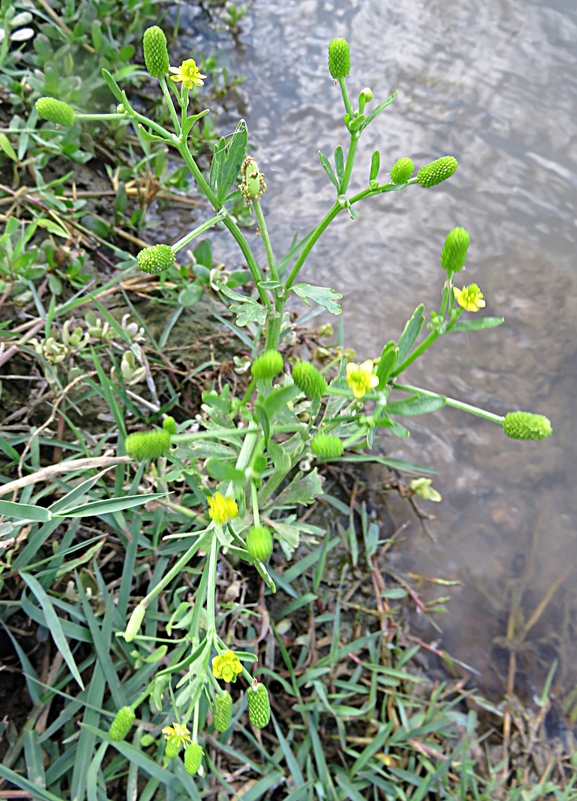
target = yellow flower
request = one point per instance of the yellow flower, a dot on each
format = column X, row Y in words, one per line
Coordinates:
column 222, row 508
column 470, row 297
column 360, row 378
column 226, row 666
column 188, row 73
column 177, row 733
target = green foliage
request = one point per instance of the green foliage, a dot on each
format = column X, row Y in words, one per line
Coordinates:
column 154, row 642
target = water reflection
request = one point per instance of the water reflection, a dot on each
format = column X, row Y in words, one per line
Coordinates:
column 494, row 84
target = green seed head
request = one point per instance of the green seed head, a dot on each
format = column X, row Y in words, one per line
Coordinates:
column 454, row 252
column 259, row 543
column 309, row 380
column 327, row 445
column 252, row 186
column 268, row 364
column 339, row 58
column 169, row 424
column 524, row 425
column 147, row 444
column 193, row 758
column 56, row 111
column 121, row 724
column 402, row 170
column 437, row 171
column 258, row 706
column 155, row 51
column 222, row 712
column 172, row 749
column 156, row 259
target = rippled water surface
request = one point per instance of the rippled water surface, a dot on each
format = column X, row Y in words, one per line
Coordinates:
column 495, row 84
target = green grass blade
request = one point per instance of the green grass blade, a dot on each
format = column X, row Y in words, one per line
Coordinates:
column 53, row 622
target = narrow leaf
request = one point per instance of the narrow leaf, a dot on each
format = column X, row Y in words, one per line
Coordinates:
column 413, row 406
column 24, row 511
column 387, row 363
column 378, row 110
column 375, row 166
column 478, row 325
column 328, row 169
column 53, row 622
column 410, row 334
column 106, row 507
column 339, row 162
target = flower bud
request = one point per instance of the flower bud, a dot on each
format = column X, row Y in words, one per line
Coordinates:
column 156, row 259
column 147, row 444
column 325, row 330
column 172, row 749
column 155, row 51
column 56, row 111
column 366, row 94
column 193, row 758
column 223, row 712
column 258, row 705
column 524, row 425
column 268, row 364
column 437, row 171
column 121, row 724
column 309, row 380
column 169, row 424
column 402, row 170
column 135, row 622
column 327, row 445
column 454, row 252
column 339, row 58
column 259, row 543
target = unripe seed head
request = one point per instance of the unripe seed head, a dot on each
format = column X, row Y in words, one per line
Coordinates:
column 223, row 712
column 258, row 706
column 524, row 425
column 193, row 758
column 268, row 364
column 454, row 252
column 259, row 543
column 121, row 724
column 339, row 58
column 55, row 111
column 327, row 445
column 169, row 424
column 437, row 171
column 402, row 170
column 309, row 380
column 172, row 749
column 156, row 259
column 147, row 444
column 155, row 51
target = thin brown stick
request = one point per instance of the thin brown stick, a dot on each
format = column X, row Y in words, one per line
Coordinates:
column 63, row 467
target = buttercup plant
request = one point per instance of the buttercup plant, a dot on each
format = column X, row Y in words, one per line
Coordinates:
column 251, row 461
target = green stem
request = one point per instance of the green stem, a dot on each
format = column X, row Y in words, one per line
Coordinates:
column 255, row 272
column 426, row 343
column 317, row 233
column 249, row 392
column 350, row 162
column 195, row 722
column 211, row 587
column 248, row 447
column 265, row 239
column 464, row 407
column 197, row 231
column 274, row 324
column 95, row 117
column 234, row 432
column 346, row 101
column 254, row 498
column 173, row 572
column 170, row 104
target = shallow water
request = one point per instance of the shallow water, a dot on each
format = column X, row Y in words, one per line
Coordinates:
column 494, row 84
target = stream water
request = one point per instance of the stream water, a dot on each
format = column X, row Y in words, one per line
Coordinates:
column 494, row 84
